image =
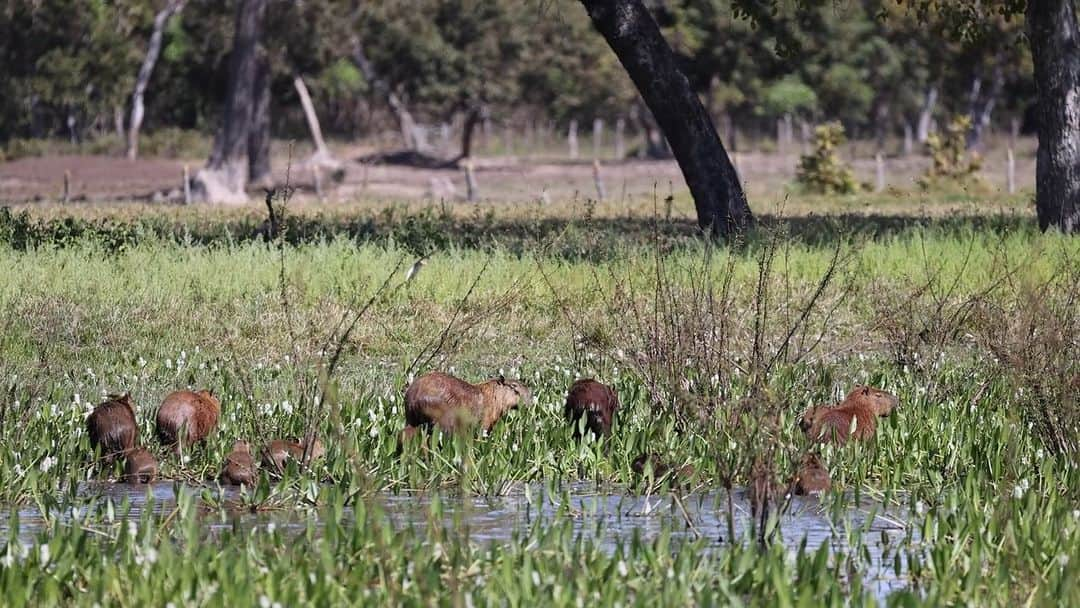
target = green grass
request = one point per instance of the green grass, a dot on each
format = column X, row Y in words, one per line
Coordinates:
column 182, row 298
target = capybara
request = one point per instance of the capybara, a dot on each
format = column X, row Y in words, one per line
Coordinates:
column 811, row 477
column 239, row 467
column 642, row 463
column 187, row 417
column 856, row 416
column 279, row 451
column 437, row 398
column 140, row 466
column 593, row 400
column 112, row 428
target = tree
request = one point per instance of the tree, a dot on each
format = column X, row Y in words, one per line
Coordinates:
column 634, row 36
column 153, row 50
column 241, row 147
column 1055, row 47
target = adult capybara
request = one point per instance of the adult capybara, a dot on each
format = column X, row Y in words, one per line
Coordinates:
column 187, row 417
column 594, row 401
column 279, row 452
column 140, row 466
column 437, row 398
column 112, row 428
column 239, row 466
column 855, row 417
column 811, row 477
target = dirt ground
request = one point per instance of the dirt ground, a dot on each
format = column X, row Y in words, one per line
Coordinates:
column 509, row 179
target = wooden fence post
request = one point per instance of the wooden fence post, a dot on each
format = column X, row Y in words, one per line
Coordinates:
column 571, row 139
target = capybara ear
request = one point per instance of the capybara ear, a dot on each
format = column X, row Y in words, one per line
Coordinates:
column 502, row 379
column 866, row 390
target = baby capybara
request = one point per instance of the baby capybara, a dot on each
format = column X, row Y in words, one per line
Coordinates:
column 648, row 460
column 112, row 428
column 239, row 466
column 812, row 476
column 279, row 452
column 855, row 417
column 187, row 417
column 140, row 466
column 594, row 401
column 437, row 398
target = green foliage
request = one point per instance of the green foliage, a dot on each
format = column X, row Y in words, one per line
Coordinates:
column 822, row 171
column 952, row 162
column 790, row 95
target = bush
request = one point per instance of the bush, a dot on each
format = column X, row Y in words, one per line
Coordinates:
column 822, row 171
column 952, row 162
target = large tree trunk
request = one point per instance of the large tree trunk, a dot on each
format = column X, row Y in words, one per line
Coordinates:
column 1055, row 49
column 142, row 80
column 225, row 176
column 259, row 169
column 636, row 40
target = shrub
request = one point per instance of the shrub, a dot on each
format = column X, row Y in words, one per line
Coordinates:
column 822, row 171
column 952, row 163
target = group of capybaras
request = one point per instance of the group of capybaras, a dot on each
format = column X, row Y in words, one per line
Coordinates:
column 185, row 418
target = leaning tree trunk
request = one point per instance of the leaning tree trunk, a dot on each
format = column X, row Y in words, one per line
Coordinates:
column 633, row 35
column 142, row 80
column 468, row 130
column 322, row 156
column 926, row 114
column 406, row 122
column 1055, row 50
column 225, row 176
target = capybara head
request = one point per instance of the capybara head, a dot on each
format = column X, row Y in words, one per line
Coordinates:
column 879, row 401
column 807, row 420
column 513, row 392
column 112, row 427
column 140, row 466
column 241, row 446
column 313, row 448
column 593, row 400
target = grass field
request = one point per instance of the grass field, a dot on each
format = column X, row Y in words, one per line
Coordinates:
column 971, row 316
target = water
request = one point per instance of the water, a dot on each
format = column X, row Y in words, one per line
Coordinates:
column 608, row 515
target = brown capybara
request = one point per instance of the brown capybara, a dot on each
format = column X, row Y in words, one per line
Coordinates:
column 186, row 418
column 279, row 452
column 112, row 428
column 140, row 466
column 437, row 398
column 855, row 417
column 811, row 477
column 594, row 401
column 239, row 466
column 642, row 463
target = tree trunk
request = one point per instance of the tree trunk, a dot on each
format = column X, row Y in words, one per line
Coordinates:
column 142, row 80
column 259, row 170
column 636, row 40
column 225, row 176
column 926, row 115
column 322, row 156
column 472, row 118
column 982, row 106
column 406, row 122
column 1055, row 49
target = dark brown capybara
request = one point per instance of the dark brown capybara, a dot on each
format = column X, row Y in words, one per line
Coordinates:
column 112, row 428
column 239, row 466
column 812, row 477
column 450, row 403
column 648, row 460
column 280, row 451
column 187, row 417
column 855, row 417
column 140, row 466
column 594, row 401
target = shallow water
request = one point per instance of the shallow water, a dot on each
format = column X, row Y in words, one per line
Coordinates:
column 607, row 515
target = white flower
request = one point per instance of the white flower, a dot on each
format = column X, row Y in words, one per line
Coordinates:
column 286, row 407
column 8, row 560
column 920, row 508
column 1018, row 492
column 46, row 464
column 536, row 578
column 142, row 362
column 622, row 568
column 168, row 363
column 151, row 555
column 264, row 601
column 43, row 554
column 374, row 432
column 1063, row 560
column 270, row 527
column 133, row 528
